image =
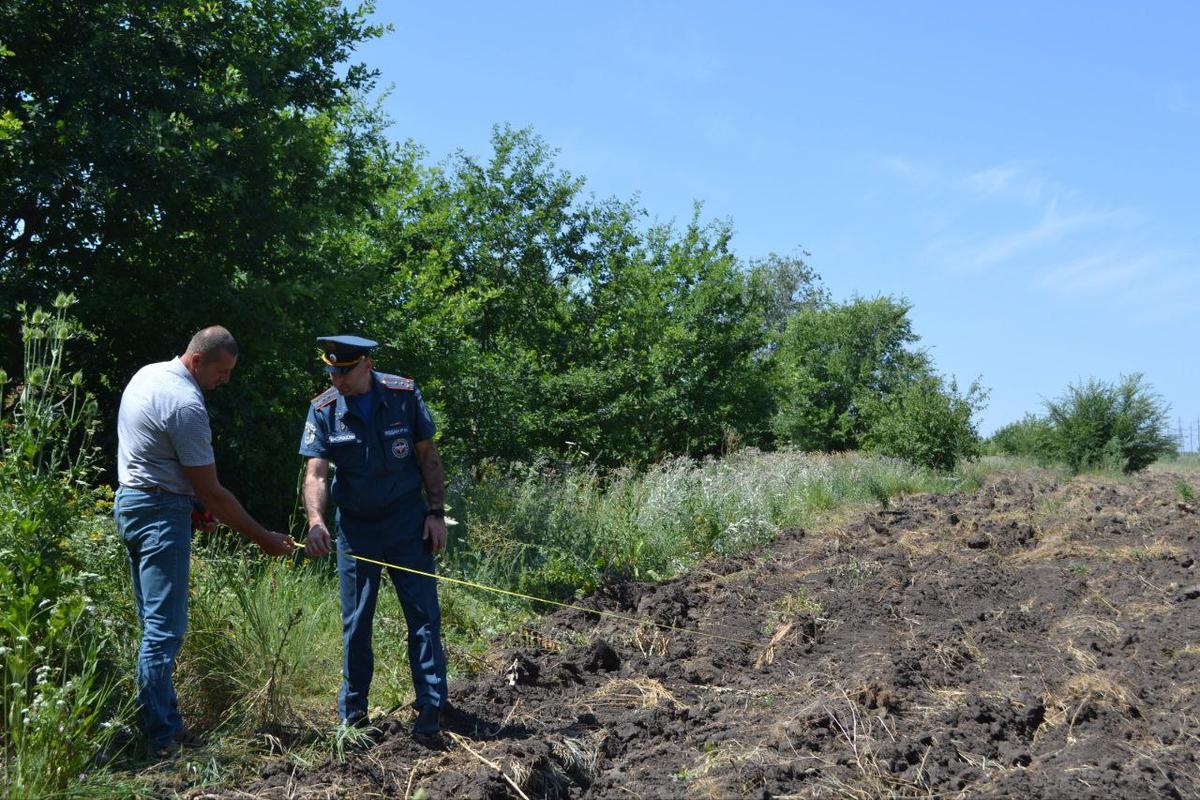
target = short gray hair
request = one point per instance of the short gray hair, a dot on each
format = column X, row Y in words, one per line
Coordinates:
column 211, row 341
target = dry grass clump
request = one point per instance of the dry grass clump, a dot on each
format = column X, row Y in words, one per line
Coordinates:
column 925, row 544
column 650, row 642
column 1067, row 704
column 1085, row 624
column 634, row 693
column 1150, row 609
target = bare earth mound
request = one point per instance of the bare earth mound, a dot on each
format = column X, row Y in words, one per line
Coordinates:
column 1033, row 639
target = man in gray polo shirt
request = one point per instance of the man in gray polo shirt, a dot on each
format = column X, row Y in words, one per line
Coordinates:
column 164, row 462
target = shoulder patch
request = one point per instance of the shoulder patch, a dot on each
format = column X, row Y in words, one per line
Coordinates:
column 325, row 398
column 397, row 383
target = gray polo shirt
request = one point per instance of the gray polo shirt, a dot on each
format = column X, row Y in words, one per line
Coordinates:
column 162, row 427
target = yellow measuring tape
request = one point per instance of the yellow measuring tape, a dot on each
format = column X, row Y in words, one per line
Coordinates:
column 611, row 614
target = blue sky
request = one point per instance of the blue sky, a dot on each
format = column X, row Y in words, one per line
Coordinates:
column 1026, row 174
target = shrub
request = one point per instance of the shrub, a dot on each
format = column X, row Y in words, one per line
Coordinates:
column 1030, row 437
column 928, row 423
column 1098, row 425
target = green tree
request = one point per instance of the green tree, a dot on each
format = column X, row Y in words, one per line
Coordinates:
column 711, row 374
column 835, row 362
column 183, row 163
column 544, row 322
column 474, row 261
column 784, row 285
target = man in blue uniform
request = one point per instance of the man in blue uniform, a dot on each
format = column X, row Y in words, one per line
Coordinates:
column 375, row 429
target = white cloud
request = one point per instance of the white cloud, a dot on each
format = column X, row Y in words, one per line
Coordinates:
column 1002, row 216
column 1048, row 237
column 1050, row 229
column 1100, row 273
column 1009, row 181
column 991, row 180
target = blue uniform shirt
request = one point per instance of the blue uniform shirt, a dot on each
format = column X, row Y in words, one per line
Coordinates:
column 375, row 459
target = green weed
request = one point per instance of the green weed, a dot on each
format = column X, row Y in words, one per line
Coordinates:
column 264, row 640
column 61, row 706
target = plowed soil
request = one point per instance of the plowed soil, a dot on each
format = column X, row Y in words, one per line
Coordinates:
column 1032, row 639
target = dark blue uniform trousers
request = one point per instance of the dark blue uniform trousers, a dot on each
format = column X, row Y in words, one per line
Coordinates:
column 395, row 539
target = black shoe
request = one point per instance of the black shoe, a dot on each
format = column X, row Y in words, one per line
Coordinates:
column 164, row 751
column 185, row 737
column 429, row 722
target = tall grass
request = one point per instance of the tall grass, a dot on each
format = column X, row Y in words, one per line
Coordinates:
column 263, row 652
column 557, row 531
column 58, row 698
column 1179, row 462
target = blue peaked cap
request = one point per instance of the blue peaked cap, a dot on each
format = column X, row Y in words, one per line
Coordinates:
column 343, row 353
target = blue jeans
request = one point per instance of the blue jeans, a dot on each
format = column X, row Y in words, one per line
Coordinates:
column 396, row 540
column 157, row 531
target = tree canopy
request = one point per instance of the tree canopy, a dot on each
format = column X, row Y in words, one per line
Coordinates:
column 178, row 164
column 217, row 161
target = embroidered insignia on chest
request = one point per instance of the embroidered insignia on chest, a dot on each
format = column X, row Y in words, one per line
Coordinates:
column 397, row 383
column 310, row 433
column 342, row 438
column 400, row 448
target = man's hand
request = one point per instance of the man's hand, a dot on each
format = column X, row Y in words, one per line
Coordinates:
column 202, row 518
column 435, row 533
column 318, row 541
column 276, row 544
column 205, row 523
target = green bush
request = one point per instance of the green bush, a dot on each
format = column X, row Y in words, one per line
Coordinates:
column 1121, row 426
column 1030, row 437
column 927, row 422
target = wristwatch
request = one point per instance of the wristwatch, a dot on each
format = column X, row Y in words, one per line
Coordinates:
column 436, row 512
